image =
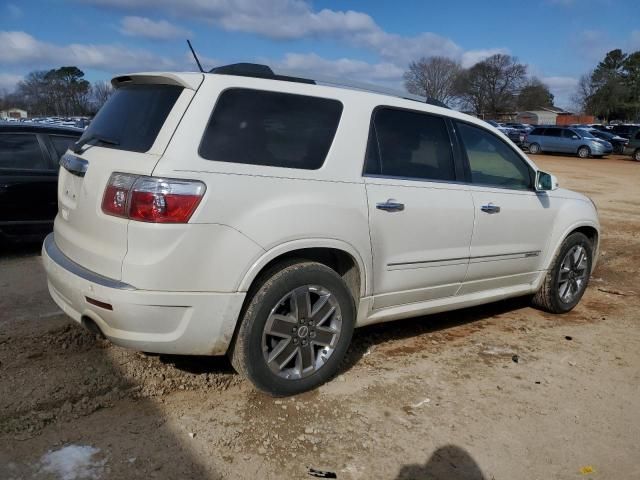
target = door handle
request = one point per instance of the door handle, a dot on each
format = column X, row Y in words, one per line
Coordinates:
column 390, row 205
column 490, row 208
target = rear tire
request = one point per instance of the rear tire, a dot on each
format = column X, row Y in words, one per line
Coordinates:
column 567, row 279
column 584, row 152
column 534, row 148
column 636, row 155
column 295, row 330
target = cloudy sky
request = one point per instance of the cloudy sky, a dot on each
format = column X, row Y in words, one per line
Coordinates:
column 370, row 41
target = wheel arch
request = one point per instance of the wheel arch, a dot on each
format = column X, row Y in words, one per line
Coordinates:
column 589, row 229
column 340, row 256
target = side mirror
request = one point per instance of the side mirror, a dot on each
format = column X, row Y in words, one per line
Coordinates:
column 545, row 181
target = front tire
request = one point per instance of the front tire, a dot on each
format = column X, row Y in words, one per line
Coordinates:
column 295, row 330
column 584, row 152
column 534, row 148
column 567, row 279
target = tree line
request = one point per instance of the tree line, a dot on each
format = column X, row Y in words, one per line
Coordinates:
column 611, row 91
column 57, row 92
column 500, row 85
column 497, row 85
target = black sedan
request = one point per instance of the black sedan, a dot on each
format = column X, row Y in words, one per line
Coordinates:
column 29, row 156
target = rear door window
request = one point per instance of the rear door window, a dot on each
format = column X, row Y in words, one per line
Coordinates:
column 134, row 115
column 271, row 129
column 21, row 152
column 409, row 144
column 570, row 134
column 553, row 132
column 492, row 162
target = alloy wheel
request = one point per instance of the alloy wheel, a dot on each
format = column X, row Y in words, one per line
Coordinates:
column 301, row 332
column 573, row 273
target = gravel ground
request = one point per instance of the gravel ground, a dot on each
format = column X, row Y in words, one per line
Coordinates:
column 497, row 392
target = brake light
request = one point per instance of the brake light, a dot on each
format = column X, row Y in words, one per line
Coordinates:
column 151, row 199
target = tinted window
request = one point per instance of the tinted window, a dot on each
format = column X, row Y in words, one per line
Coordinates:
column 21, row 151
column 537, row 131
column 570, row 133
column 409, row 144
column 492, row 161
column 271, row 128
column 134, row 115
column 553, row 132
column 638, row 135
column 61, row 143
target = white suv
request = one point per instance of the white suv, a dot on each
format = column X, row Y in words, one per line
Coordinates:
column 265, row 216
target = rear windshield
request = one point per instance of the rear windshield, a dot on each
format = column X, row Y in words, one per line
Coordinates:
column 133, row 116
column 271, row 128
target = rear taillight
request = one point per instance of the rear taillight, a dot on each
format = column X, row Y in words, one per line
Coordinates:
column 150, row 199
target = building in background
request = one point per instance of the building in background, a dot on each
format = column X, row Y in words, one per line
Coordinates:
column 15, row 113
column 537, row 117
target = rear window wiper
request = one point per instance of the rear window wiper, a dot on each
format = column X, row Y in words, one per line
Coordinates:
column 96, row 137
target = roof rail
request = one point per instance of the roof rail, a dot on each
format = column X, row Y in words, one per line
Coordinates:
column 263, row 71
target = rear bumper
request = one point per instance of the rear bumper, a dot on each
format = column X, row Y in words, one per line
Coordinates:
column 189, row 323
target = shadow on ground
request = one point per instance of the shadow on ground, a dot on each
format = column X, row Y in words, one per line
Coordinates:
column 449, row 462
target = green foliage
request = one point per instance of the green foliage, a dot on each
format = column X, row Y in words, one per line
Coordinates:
column 534, row 95
column 613, row 91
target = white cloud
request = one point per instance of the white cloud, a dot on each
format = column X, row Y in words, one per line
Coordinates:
column 295, row 19
column 562, row 88
column 471, row 57
column 8, row 81
column 157, row 30
column 20, row 48
column 313, row 65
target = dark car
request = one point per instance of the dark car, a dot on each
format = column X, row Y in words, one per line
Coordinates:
column 29, row 156
column 515, row 135
column 625, row 130
column 633, row 147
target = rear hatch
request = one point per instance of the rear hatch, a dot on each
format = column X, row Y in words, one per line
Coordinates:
column 129, row 134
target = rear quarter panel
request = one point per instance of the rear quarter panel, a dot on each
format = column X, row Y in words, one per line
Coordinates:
column 280, row 209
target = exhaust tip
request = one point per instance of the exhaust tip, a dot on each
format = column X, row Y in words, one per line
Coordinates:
column 90, row 325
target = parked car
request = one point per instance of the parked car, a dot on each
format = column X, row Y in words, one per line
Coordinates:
column 625, row 130
column 515, row 135
column 618, row 143
column 633, row 147
column 566, row 140
column 29, row 157
column 265, row 216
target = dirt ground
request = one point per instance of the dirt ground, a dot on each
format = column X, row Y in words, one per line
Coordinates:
column 437, row 397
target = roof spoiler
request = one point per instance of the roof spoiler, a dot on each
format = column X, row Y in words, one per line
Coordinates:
column 186, row 80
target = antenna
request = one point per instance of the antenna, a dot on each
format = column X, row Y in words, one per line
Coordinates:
column 195, row 56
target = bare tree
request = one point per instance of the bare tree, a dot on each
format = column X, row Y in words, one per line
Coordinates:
column 433, row 77
column 100, row 93
column 491, row 86
column 584, row 92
